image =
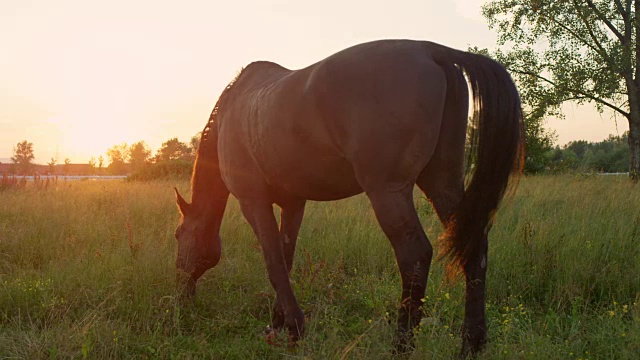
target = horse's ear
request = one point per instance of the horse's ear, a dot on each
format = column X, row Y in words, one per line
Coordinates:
column 183, row 205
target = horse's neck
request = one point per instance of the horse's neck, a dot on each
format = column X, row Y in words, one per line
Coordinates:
column 206, row 183
column 208, row 192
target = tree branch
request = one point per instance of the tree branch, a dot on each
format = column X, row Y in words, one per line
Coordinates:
column 575, row 91
column 601, row 50
column 621, row 10
column 577, row 97
column 606, row 21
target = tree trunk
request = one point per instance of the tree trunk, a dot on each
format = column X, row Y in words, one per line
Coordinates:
column 634, row 147
column 634, row 128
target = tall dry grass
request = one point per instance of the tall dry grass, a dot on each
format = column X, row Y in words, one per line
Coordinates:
column 87, row 270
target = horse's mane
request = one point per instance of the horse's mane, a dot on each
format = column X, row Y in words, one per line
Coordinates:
column 207, row 153
column 204, row 138
column 206, row 164
column 221, row 100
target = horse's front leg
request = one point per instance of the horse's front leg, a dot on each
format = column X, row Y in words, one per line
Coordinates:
column 259, row 213
column 291, row 215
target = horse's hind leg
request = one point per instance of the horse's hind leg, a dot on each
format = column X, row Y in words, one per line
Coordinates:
column 474, row 330
column 397, row 217
column 445, row 193
column 443, row 183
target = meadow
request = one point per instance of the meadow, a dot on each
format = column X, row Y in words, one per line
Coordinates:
column 87, row 271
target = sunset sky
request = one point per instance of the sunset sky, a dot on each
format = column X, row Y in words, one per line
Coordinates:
column 77, row 77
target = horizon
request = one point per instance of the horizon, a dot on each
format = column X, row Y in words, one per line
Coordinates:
column 80, row 78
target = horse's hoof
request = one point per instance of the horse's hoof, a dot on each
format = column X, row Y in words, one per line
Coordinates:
column 271, row 336
column 293, row 342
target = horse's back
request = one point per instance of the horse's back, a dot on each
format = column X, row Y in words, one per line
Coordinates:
column 366, row 117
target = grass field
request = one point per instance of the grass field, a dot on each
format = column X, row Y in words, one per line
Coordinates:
column 87, row 271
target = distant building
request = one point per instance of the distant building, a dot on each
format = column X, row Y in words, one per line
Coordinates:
column 73, row 169
column 6, row 168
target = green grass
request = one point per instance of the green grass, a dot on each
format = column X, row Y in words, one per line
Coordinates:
column 87, row 271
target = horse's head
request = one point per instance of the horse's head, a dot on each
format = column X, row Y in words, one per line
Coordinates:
column 198, row 246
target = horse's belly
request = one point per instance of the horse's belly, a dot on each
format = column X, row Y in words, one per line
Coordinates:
column 320, row 179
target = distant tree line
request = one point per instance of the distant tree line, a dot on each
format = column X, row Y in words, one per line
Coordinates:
column 607, row 156
column 174, row 158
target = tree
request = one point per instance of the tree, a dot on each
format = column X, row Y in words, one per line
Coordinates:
column 100, row 164
column 92, row 165
column 538, row 142
column 23, row 157
column 587, row 51
column 608, row 155
column 173, row 149
column 139, row 155
column 118, row 156
column 52, row 166
column 67, row 166
column 561, row 160
column 579, row 147
column 195, row 142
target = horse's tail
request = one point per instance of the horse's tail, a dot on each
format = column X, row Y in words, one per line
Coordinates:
column 496, row 152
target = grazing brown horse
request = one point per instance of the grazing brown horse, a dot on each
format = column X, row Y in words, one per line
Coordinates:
column 378, row 118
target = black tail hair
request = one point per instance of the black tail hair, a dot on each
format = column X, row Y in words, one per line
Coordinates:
column 497, row 157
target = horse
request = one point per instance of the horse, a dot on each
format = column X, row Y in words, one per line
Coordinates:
column 379, row 118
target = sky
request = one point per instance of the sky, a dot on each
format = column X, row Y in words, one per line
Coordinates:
column 77, row 77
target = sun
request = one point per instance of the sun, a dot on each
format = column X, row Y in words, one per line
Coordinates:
column 80, row 137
